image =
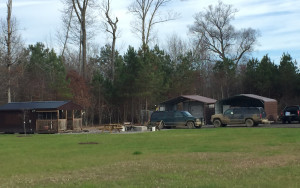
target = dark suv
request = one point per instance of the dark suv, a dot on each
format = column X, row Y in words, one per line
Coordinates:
column 170, row 119
column 251, row 116
column 290, row 113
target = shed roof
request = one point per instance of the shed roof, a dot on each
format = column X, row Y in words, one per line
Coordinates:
column 190, row 97
column 40, row 105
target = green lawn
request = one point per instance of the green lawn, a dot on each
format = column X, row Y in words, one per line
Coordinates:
column 216, row 157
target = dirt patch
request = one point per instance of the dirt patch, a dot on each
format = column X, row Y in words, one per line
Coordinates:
column 88, row 143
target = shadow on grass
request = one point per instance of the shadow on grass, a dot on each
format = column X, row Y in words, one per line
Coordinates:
column 137, row 153
column 88, row 143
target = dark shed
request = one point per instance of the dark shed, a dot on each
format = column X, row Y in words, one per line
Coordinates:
column 40, row 117
column 249, row 100
column 199, row 106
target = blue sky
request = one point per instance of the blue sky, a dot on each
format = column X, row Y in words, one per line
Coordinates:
column 277, row 20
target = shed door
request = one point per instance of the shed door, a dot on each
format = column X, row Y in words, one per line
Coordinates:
column 197, row 111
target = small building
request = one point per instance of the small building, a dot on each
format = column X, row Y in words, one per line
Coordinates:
column 199, row 106
column 40, row 117
column 249, row 100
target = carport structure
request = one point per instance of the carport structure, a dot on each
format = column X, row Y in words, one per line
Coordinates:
column 249, row 100
column 199, row 106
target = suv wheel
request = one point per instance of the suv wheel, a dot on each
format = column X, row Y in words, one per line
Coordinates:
column 249, row 122
column 190, row 124
column 217, row 123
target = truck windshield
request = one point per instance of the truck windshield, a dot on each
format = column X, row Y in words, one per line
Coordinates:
column 187, row 114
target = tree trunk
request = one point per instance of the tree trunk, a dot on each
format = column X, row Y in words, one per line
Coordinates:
column 113, row 31
column 99, row 107
column 83, row 50
column 113, row 58
column 81, row 15
column 8, row 43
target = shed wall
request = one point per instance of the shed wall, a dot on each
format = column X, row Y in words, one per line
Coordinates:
column 271, row 110
column 195, row 108
column 13, row 121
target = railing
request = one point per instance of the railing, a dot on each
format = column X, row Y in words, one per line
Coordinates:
column 46, row 125
column 57, row 125
column 62, row 125
column 77, row 124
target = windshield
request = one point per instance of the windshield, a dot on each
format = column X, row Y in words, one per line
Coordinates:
column 186, row 113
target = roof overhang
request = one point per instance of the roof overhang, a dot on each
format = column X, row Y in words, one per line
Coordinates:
column 40, row 105
column 239, row 100
column 183, row 98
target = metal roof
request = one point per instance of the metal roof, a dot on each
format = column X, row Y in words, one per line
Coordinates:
column 36, row 105
column 241, row 97
column 265, row 99
column 190, row 97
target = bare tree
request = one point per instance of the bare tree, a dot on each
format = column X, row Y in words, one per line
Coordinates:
column 80, row 10
column 78, row 19
column 147, row 16
column 214, row 33
column 176, row 47
column 11, row 45
column 111, row 28
column 68, row 36
column 67, row 22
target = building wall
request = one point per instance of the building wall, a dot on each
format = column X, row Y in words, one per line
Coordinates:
column 13, row 122
column 195, row 108
column 271, row 109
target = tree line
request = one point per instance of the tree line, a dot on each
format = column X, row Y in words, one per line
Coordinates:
column 114, row 87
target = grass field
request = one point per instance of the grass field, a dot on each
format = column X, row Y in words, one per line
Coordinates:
column 216, row 157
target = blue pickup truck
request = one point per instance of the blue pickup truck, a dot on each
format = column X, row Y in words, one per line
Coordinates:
column 172, row 119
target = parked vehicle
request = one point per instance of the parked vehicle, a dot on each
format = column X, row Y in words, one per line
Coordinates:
column 251, row 116
column 168, row 119
column 290, row 113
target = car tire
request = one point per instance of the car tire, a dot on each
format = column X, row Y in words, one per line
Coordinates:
column 190, row 124
column 249, row 123
column 217, row 123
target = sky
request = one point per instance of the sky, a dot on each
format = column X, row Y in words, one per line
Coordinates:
column 277, row 21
